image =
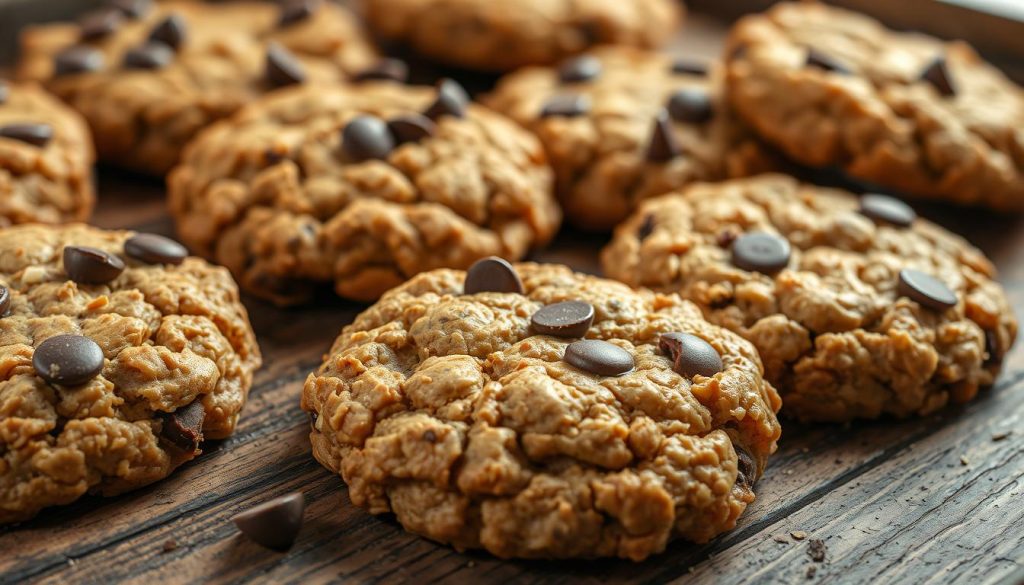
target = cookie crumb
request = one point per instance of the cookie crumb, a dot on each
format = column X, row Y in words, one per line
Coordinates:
column 780, row 538
column 1001, row 436
column 964, row 460
column 798, row 534
column 816, row 548
column 169, row 545
column 811, row 571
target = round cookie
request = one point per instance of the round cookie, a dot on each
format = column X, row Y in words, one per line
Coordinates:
column 498, row 36
column 833, row 88
column 46, row 159
column 858, row 309
column 363, row 186
column 147, row 80
column 484, row 421
column 118, row 356
column 620, row 125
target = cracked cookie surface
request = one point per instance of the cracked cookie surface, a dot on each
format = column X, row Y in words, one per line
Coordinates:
column 174, row 359
column 839, row 336
column 452, row 412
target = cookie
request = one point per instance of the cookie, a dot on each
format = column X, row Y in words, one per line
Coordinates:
column 147, row 79
column 620, row 125
column 537, row 412
column 858, row 308
column 835, row 89
column 119, row 355
column 46, row 159
column 363, row 186
column 494, row 36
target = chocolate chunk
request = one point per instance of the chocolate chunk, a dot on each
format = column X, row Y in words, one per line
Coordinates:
column 77, row 59
column 937, row 74
column 366, row 138
column 68, row 360
column 688, row 67
column 566, row 106
column 384, row 70
column 646, row 227
column 134, row 9
column 690, row 354
column 274, row 524
column 171, row 31
column 100, row 23
column 5, row 92
column 152, row 55
column 5, row 301
column 451, row 100
column 663, row 146
column 183, row 428
column 492, row 274
column 885, row 209
column 283, row 68
column 690, row 105
column 86, row 265
column 154, row 249
column 578, row 69
column 925, row 289
column 746, row 469
column 293, row 11
column 599, row 357
column 34, row 134
column 819, row 60
column 565, row 319
column 760, row 252
column 411, row 128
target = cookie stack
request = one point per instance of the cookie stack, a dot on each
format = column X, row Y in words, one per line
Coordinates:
column 523, row 408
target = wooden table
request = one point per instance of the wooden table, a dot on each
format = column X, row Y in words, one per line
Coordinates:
column 935, row 500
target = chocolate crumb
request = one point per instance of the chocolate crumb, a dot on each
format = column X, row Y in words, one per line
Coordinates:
column 169, row 545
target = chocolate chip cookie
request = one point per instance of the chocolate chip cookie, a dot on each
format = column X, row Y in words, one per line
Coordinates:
column 537, row 412
column 620, row 125
column 147, row 76
column 119, row 355
column 833, row 88
column 499, row 36
column 858, row 307
column 363, row 186
column 46, row 158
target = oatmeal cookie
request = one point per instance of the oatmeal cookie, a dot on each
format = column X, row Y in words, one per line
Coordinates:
column 833, row 88
column 501, row 36
column 537, row 412
column 46, row 159
column 620, row 125
column 148, row 76
column 362, row 186
column 858, row 308
column 119, row 355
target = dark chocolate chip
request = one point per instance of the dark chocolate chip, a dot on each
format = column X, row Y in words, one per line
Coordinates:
column 100, row 23
column 885, row 209
column 690, row 354
column 274, row 524
column 599, row 357
column 91, row 266
column 578, row 69
column 171, row 31
column 384, row 70
column 925, row 289
column 565, row 105
column 993, row 349
column 133, row 9
column 293, row 11
column 937, row 74
column 183, row 428
column 688, row 67
column 35, row 134
column 492, row 274
column 690, row 105
column 78, row 59
column 663, row 145
column 152, row 55
column 411, row 128
column 429, row 436
column 646, row 227
column 283, row 68
column 565, row 319
column 746, row 469
column 5, row 301
column 451, row 100
column 68, row 360
column 154, row 249
column 819, row 60
column 5, row 91
column 760, row 252
column 366, row 138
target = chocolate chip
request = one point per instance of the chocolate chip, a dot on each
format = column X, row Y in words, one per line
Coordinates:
column 492, row 274
column 154, row 249
column 688, row 67
column 5, row 301
column 5, row 91
column 283, row 68
column 100, row 23
column 274, row 524
column 366, row 138
column 171, row 31
column 925, row 289
column 35, row 134
column 690, row 354
column 819, row 60
column 690, row 105
column 78, row 59
column 885, row 209
column 293, row 11
column 152, row 55
column 937, row 74
column 430, row 436
column 760, row 252
column 566, row 106
column 746, row 470
column 68, row 360
column 183, row 428
column 565, row 319
column 582, row 68
column 451, row 100
column 133, row 9
column 599, row 357
column 663, row 146
column 91, row 266
column 646, row 227
column 384, row 70
column 411, row 128
column 993, row 351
